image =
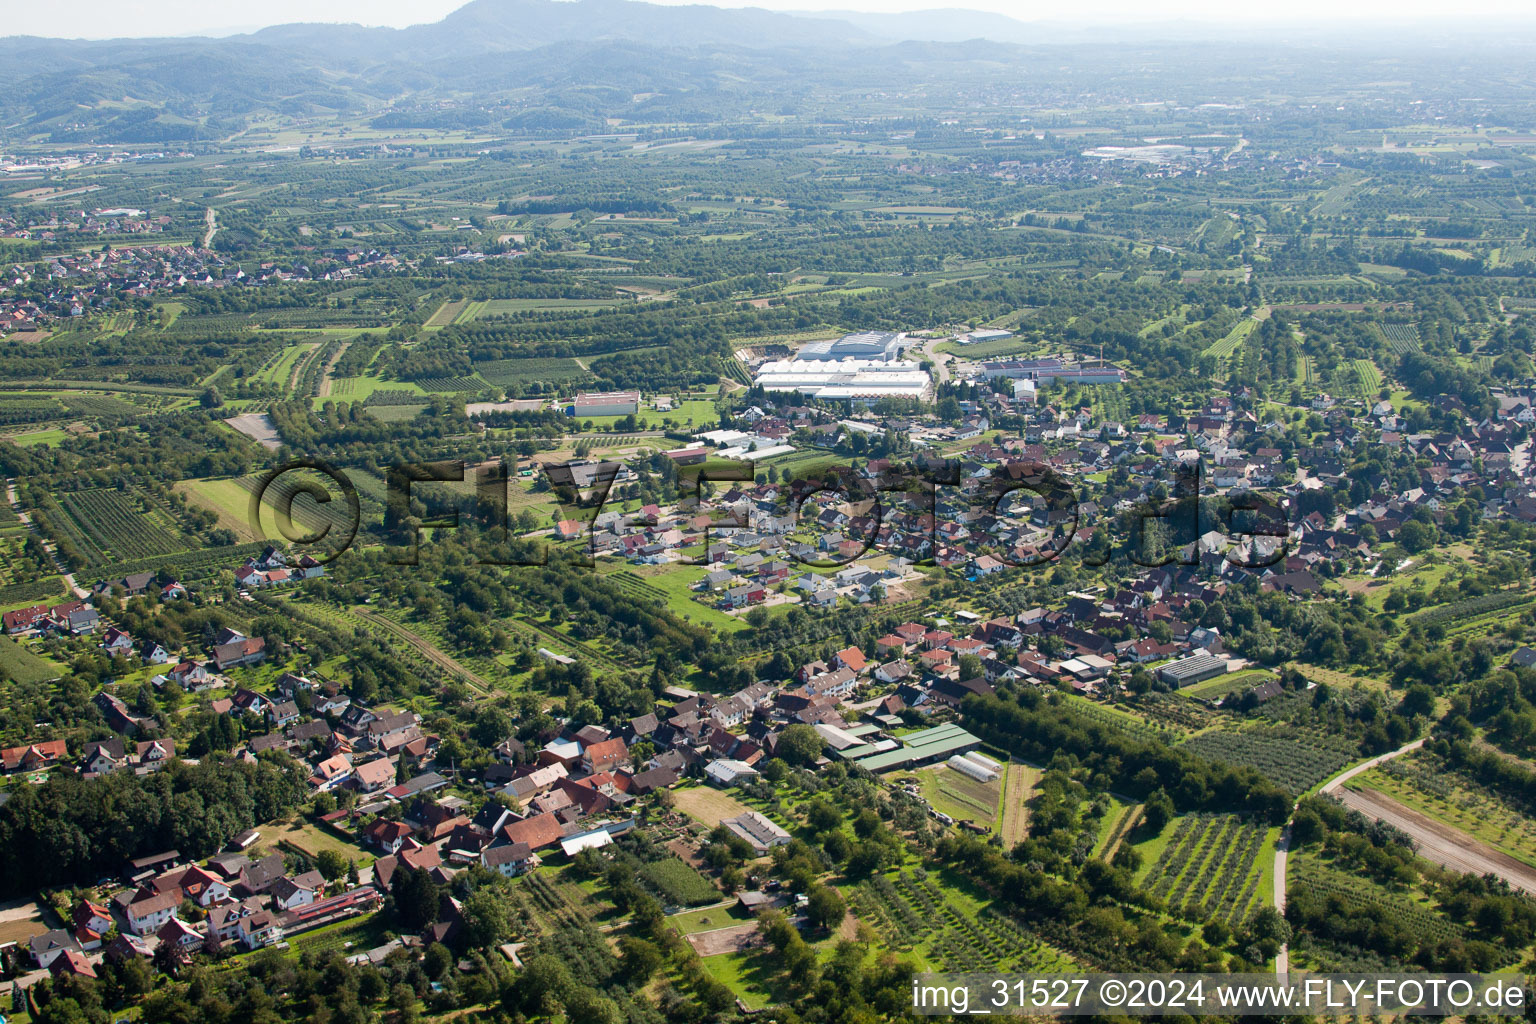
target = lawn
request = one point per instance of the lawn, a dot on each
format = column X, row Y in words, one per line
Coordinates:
column 1232, row 682
column 312, row 839
column 676, row 580
column 749, row 975
column 707, row 804
column 708, row 919
column 33, row 438
column 21, row 665
column 227, row 499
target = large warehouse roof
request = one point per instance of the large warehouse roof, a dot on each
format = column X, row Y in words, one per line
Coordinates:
column 928, row 745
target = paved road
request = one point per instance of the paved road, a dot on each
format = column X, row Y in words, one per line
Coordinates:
column 211, row 219
column 1365, row 766
column 1283, row 847
column 940, row 360
column 1282, row 853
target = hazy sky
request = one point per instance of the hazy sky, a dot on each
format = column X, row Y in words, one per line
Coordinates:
column 102, row 19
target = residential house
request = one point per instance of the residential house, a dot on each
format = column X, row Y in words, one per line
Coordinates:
column 49, row 946
column 510, row 859
column 387, row 835
column 292, row 893
column 147, row 913
column 34, row 756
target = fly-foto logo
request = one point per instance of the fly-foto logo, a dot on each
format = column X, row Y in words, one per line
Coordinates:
column 1019, row 515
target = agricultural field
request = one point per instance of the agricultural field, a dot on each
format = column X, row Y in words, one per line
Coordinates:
column 1228, row 345
column 1175, row 713
column 1474, row 614
column 1221, row 686
column 1212, row 867
column 452, row 385
column 999, row 348
column 227, row 499
column 279, row 370
column 481, row 309
column 1289, row 758
column 676, row 884
column 939, row 923
column 1403, row 338
column 1424, row 782
column 105, row 525
column 555, row 371
column 1121, row 719
column 1019, row 782
column 366, row 389
column 1369, row 378
column 395, row 413
column 959, row 796
column 1316, row 874
column 1117, row 829
column 447, row 313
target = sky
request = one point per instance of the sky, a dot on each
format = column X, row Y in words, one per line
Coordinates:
column 105, row 19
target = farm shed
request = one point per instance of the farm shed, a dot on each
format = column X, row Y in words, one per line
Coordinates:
column 923, row 747
column 985, row 761
column 965, row 766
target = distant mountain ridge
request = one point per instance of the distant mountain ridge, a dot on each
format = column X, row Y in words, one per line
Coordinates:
column 486, row 26
column 570, row 65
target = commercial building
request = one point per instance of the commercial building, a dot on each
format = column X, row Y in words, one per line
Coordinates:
column 605, row 403
column 859, row 380
column 1052, row 369
column 1191, row 670
column 875, row 345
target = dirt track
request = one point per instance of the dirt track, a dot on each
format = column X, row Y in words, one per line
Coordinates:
column 1441, row 843
column 725, row 940
column 1016, row 789
column 428, row 649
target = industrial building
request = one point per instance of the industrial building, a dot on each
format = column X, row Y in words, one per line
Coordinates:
column 1191, row 670
column 1052, row 369
column 885, row 346
column 858, row 380
column 605, row 403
